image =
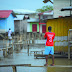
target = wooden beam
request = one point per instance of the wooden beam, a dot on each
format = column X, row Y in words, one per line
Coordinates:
column 67, row 66
column 16, row 65
column 29, row 65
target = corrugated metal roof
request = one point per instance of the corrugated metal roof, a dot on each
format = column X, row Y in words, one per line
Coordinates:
column 33, row 20
column 6, row 13
column 46, row 13
column 19, row 17
column 66, row 8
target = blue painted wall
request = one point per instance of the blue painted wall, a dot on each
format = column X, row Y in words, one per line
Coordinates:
column 3, row 22
column 10, row 23
column 7, row 23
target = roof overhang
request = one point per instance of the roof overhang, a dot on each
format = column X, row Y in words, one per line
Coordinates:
column 46, row 13
column 14, row 14
column 57, row 18
column 6, row 13
column 66, row 8
column 33, row 20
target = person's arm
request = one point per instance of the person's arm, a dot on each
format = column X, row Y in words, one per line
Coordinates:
column 11, row 33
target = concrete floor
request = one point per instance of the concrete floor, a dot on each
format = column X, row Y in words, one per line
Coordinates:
column 23, row 58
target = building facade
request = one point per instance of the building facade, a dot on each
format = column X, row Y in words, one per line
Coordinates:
column 6, row 20
column 42, row 17
column 60, row 27
column 58, row 5
column 20, row 24
column 33, row 25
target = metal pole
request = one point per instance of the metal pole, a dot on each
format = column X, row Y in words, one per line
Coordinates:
column 70, row 5
column 19, row 29
column 70, row 2
column 68, row 46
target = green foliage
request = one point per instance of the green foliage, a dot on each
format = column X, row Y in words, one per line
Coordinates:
column 16, row 13
column 45, row 8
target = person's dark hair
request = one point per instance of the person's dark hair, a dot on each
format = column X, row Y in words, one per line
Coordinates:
column 49, row 28
column 9, row 29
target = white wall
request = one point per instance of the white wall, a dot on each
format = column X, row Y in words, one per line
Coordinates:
column 58, row 5
column 33, row 16
column 28, row 27
column 20, row 26
column 40, row 28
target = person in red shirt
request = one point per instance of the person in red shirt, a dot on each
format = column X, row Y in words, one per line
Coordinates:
column 49, row 49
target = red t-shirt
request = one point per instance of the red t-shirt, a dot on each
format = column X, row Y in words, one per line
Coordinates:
column 50, row 36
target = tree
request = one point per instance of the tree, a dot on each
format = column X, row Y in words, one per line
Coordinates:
column 45, row 8
column 45, row 1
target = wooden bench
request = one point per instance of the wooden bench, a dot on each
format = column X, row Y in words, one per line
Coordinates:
column 43, row 56
column 6, row 51
column 36, row 52
column 18, row 46
column 15, row 65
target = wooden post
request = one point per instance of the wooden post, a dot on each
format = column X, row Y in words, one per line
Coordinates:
column 68, row 52
column 35, row 35
column 10, row 50
column 42, row 52
column 32, row 38
column 18, row 47
column 29, row 38
column 3, row 43
column 28, row 49
column 39, row 35
column 12, row 46
column 4, row 53
column 14, row 69
column 34, row 53
column 68, row 45
column 29, row 35
column 6, row 49
column 42, row 36
column 24, row 43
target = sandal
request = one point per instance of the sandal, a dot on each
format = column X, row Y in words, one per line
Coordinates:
column 52, row 64
column 45, row 64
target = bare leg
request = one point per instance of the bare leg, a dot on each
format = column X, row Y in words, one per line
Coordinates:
column 46, row 61
column 52, row 59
